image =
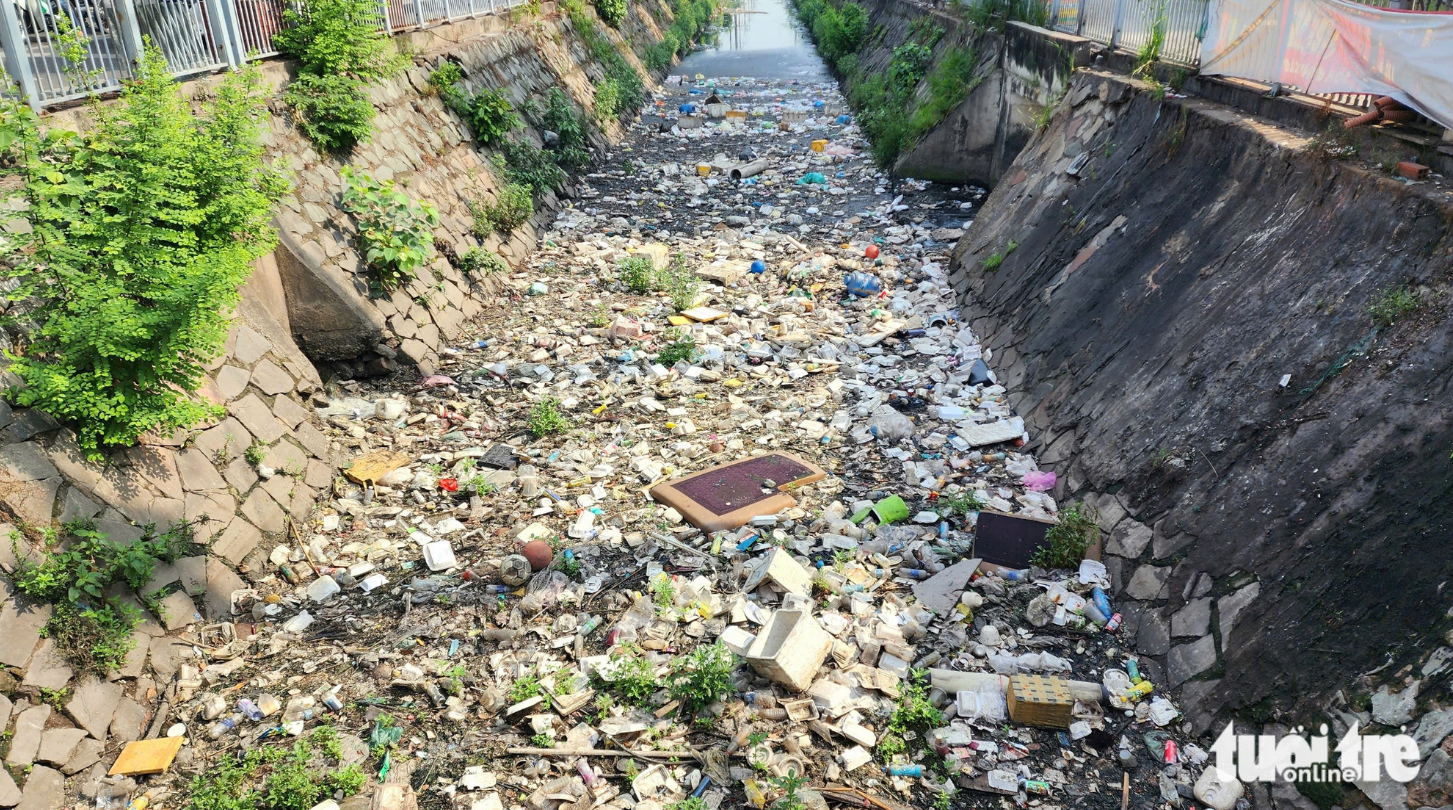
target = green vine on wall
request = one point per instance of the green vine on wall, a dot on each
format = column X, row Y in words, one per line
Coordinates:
column 140, row 233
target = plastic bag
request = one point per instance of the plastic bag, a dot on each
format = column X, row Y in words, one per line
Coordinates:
column 889, row 426
column 1038, row 481
column 990, row 705
column 543, row 591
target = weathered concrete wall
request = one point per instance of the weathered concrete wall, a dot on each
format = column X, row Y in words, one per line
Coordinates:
column 1268, row 539
column 1024, row 69
column 1020, row 70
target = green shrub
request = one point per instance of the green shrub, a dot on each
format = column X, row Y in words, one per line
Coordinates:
column 910, row 62
column 1068, row 539
column 86, row 627
column 488, row 112
column 141, row 232
column 478, row 262
column 607, row 100
column 612, row 12
column 336, row 37
column 839, row 32
column 341, row 52
column 545, row 418
column 681, row 284
column 633, row 677
column 638, row 273
column 511, row 208
column 445, row 77
column 698, row 679
column 396, row 233
column 334, row 112
column 632, row 92
column 663, row 53
column 527, row 165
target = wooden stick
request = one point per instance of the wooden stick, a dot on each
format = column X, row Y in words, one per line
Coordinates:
column 1125, row 790
column 597, row 752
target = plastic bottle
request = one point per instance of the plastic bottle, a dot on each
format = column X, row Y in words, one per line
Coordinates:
column 1139, row 690
column 249, row 710
column 1101, row 600
column 223, row 726
column 755, row 794
column 904, row 770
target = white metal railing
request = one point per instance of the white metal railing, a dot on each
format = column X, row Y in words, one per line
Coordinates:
column 1132, row 24
column 195, row 36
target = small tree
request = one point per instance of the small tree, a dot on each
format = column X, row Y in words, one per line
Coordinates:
column 141, row 231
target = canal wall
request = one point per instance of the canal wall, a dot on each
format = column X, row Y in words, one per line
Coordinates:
column 1233, row 345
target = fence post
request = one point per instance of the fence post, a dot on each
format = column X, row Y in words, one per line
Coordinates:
column 419, row 13
column 17, row 56
column 1115, row 29
column 130, row 30
column 1080, row 19
column 225, row 31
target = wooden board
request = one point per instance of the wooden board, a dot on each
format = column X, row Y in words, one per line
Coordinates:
column 146, row 757
column 728, row 496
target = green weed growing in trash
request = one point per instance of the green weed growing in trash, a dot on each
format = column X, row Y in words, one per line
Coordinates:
column 545, row 418
column 1393, row 304
column 915, row 713
column 638, row 273
column 395, row 232
column 542, row 741
column 663, row 593
column 789, row 785
column 680, row 346
column 689, row 803
column 632, row 676
column 698, row 679
column 959, row 503
column 680, row 283
column 525, row 687
column 1068, row 539
column 88, row 629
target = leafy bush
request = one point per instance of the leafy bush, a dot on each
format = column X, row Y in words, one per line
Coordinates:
column 613, row 12
column 638, row 273
column 292, row 783
column 698, row 679
column 477, row 262
column 839, row 32
column 681, row 284
column 527, row 165
column 561, row 117
column 1068, row 539
column 142, row 230
column 607, row 100
column 445, row 77
column 396, row 233
column 336, row 37
column 661, row 55
column 87, row 628
column 488, row 112
column 341, row 52
column 910, row 63
column 511, row 208
column 545, row 418
column 334, row 112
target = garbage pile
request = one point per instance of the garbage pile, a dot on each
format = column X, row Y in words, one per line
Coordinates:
column 705, row 510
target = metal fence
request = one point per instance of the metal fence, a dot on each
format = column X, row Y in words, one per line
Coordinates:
column 1133, row 24
column 195, row 36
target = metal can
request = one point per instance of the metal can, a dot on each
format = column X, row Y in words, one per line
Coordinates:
column 1133, row 670
column 1035, row 786
column 1170, row 752
column 1139, row 690
column 1114, row 623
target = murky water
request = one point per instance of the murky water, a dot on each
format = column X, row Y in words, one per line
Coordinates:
column 763, row 40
